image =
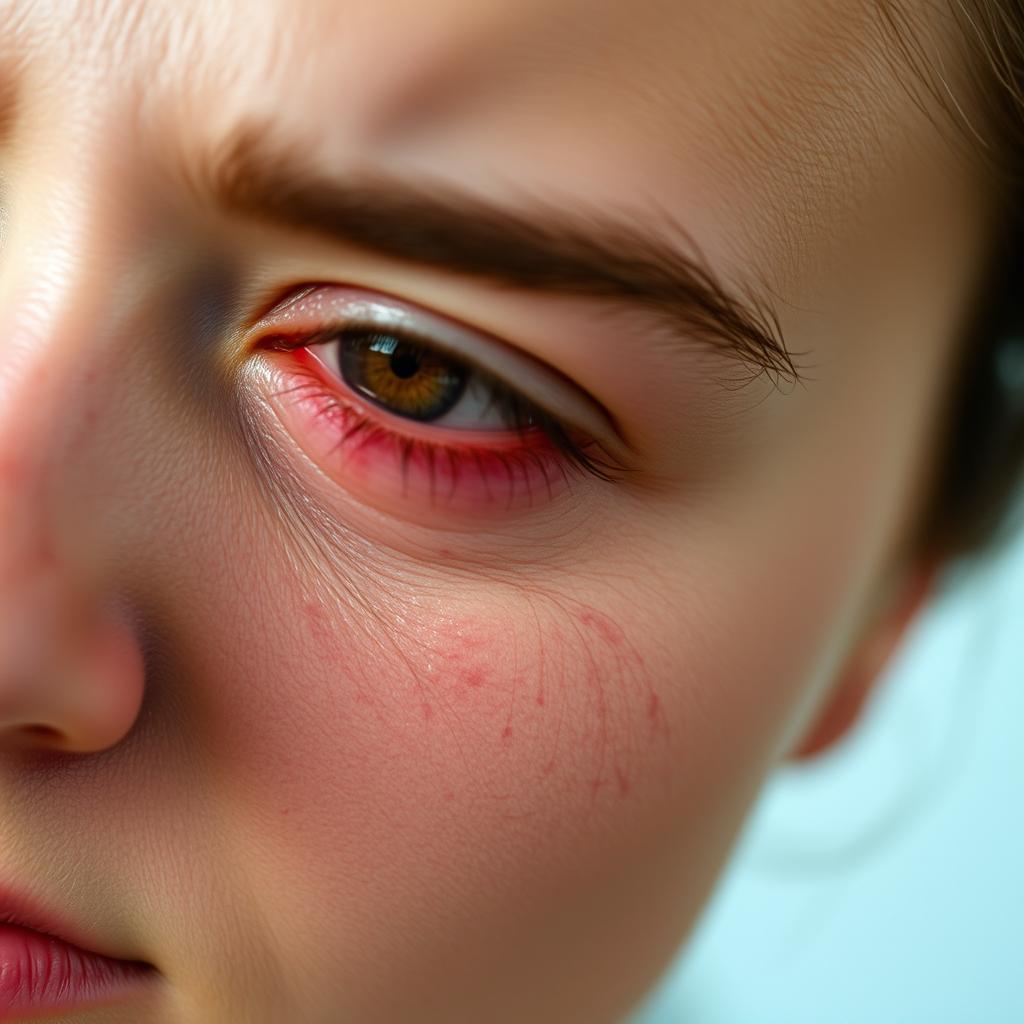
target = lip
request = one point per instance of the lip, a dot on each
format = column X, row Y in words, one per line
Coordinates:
column 47, row 963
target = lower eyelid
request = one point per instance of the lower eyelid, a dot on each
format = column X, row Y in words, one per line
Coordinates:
column 401, row 467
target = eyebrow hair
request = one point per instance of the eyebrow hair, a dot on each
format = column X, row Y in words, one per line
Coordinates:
column 546, row 249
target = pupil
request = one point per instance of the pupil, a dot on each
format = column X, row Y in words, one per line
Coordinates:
column 404, row 363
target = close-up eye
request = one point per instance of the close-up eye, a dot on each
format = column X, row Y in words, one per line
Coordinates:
column 396, row 403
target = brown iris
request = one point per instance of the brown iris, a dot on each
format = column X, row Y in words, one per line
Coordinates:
column 405, row 378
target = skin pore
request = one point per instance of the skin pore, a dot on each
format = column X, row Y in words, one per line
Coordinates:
column 329, row 736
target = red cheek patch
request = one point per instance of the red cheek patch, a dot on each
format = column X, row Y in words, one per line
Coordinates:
column 564, row 697
column 543, row 703
column 609, row 632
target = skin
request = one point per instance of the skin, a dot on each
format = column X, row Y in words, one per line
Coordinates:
column 320, row 752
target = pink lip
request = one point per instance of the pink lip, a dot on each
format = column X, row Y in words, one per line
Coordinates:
column 45, row 964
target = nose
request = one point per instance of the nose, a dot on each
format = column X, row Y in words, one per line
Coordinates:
column 71, row 674
column 71, row 666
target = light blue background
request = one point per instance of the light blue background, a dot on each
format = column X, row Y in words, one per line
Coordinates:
column 885, row 884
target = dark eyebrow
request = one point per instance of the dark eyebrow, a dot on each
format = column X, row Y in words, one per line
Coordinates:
column 589, row 254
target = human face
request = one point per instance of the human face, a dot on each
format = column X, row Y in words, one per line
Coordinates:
column 332, row 713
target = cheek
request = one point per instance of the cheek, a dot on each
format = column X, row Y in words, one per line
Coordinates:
column 415, row 777
column 501, row 709
column 412, row 777
column 414, row 774
column 494, row 748
column 398, row 767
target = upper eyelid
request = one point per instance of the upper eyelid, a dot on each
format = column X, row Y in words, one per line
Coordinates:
column 548, row 388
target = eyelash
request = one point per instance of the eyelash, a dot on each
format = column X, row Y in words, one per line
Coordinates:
column 556, row 446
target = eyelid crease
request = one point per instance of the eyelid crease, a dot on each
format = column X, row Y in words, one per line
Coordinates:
column 310, row 314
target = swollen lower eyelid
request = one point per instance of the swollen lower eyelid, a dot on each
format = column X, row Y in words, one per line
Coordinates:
column 470, row 473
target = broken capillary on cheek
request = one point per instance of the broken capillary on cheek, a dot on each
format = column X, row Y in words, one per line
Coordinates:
column 529, row 702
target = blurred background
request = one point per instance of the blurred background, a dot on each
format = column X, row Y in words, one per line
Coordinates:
column 883, row 881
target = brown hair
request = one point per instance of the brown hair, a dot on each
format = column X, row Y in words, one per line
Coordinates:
column 968, row 508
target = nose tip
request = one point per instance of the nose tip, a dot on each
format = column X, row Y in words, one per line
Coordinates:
column 71, row 677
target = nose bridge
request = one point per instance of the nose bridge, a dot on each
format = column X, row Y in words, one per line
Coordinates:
column 41, row 597
column 70, row 668
column 55, row 263
column 39, row 396
column 28, row 418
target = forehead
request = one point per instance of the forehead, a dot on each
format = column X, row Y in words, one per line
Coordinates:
column 404, row 44
column 723, row 108
column 379, row 69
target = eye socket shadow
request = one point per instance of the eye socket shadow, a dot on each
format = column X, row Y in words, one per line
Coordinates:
column 198, row 316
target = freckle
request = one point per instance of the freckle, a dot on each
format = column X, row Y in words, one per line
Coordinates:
column 653, row 706
column 623, row 782
column 474, row 677
column 656, row 714
column 315, row 616
column 317, row 620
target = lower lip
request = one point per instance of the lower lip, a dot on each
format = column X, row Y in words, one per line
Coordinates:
column 39, row 974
